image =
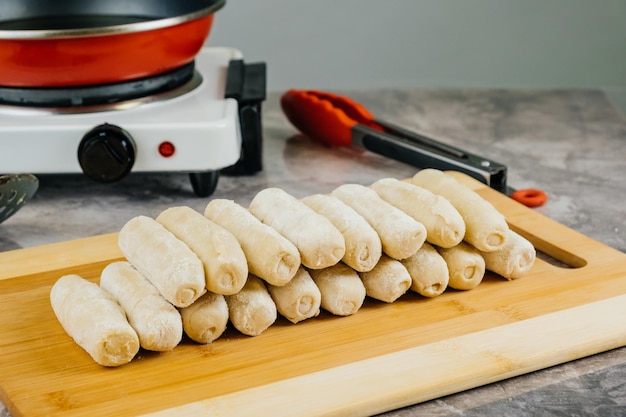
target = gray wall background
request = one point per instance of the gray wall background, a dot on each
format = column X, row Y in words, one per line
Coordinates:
column 366, row 44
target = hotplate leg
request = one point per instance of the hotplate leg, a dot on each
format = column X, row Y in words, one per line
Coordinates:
column 204, row 183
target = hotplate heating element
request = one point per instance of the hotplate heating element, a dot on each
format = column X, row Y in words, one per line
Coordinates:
column 199, row 119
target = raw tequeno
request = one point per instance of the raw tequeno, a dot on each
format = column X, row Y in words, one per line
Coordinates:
column 156, row 321
column 252, row 309
column 299, row 299
column 206, row 319
column 271, row 256
column 319, row 242
column 485, row 227
column 401, row 235
column 388, row 281
column 514, row 259
column 428, row 271
column 363, row 247
column 342, row 291
column 165, row 260
column 466, row 266
column 225, row 265
column 94, row 320
column 444, row 225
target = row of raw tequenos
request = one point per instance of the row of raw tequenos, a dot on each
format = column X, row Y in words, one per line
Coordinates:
column 293, row 257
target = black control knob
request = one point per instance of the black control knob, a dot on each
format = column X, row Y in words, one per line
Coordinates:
column 106, row 153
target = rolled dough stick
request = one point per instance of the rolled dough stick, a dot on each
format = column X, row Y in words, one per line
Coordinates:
column 444, row 225
column 225, row 265
column 401, row 235
column 343, row 292
column 428, row 270
column 91, row 317
column 156, row 321
column 388, row 281
column 252, row 309
column 271, row 256
column 206, row 319
column 319, row 242
column 514, row 259
column 299, row 299
column 485, row 227
column 466, row 266
column 173, row 268
column 363, row 247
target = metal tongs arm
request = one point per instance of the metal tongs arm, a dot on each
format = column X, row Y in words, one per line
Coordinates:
column 423, row 152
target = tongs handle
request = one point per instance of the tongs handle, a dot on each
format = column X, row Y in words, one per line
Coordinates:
column 424, row 152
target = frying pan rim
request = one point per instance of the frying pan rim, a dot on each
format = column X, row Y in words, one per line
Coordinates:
column 143, row 26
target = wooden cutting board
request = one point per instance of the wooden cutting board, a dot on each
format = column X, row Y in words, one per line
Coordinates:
column 384, row 357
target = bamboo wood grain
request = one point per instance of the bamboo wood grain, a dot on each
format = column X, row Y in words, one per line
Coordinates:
column 383, row 357
column 435, row 369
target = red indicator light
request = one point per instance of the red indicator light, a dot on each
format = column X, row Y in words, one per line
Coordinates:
column 167, row 149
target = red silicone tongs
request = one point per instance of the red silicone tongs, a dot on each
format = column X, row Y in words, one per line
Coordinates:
column 339, row 121
column 336, row 120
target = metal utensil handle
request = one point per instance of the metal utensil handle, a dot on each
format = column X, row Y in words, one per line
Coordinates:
column 15, row 191
column 420, row 155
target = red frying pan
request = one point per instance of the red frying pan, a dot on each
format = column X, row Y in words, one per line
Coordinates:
column 47, row 43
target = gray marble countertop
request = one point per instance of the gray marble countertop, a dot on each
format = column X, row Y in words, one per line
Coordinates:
column 570, row 143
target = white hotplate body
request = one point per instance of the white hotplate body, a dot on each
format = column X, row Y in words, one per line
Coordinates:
column 202, row 125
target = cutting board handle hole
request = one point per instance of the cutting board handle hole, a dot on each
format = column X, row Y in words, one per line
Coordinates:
column 557, row 262
column 551, row 253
